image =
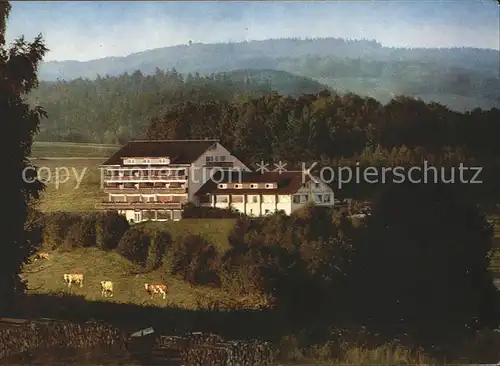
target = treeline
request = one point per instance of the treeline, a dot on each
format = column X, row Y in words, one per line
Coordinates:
column 335, row 130
column 420, row 275
column 327, row 125
column 117, row 109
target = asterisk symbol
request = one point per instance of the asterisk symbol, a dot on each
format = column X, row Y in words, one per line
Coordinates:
column 262, row 167
column 280, row 167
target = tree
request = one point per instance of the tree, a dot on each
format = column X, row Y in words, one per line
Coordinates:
column 422, row 266
column 19, row 124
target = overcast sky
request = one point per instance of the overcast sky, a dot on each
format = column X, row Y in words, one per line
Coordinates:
column 90, row 30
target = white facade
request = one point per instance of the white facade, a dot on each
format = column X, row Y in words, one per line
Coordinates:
column 318, row 193
column 263, row 203
column 150, row 188
column 200, row 173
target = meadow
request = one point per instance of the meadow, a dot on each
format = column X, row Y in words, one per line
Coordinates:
column 46, row 276
column 71, row 149
column 186, row 307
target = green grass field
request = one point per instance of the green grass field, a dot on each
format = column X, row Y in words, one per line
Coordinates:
column 71, row 185
column 70, row 149
column 72, row 175
column 46, row 276
column 214, row 230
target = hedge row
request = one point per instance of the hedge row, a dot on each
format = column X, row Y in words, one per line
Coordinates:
column 63, row 230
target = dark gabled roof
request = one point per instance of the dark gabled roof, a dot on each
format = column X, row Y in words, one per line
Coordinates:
column 179, row 151
column 288, row 182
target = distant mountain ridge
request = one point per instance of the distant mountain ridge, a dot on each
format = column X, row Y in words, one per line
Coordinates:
column 208, row 58
column 460, row 78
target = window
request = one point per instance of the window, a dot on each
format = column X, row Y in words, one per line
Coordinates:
column 269, row 185
column 222, row 199
column 300, row 198
column 147, row 161
column 253, row 199
column 137, row 216
column 177, row 215
column 222, row 186
column 237, row 185
column 283, row 199
column 149, row 215
column 216, row 158
column 209, row 159
column 164, row 215
column 131, row 161
column 222, row 158
column 253, row 185
column 327, row 198
column 267, row 199
column 319, row 198
column 237, row 199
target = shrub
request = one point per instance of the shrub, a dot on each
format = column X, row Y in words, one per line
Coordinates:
column 159, row 244
column 82, row 232
column 34, row 229
column 109, row 228
column 56, row 227
column 134, row 245
column 424, row 251
column 196, row 260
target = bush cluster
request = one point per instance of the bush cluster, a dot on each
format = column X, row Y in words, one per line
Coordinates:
column 63, row 230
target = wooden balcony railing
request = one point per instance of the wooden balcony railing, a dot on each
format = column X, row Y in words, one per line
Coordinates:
column 139, row 205
column 141, row 190
column 145, row 177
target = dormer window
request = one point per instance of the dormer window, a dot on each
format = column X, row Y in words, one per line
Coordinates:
column 253, row 185
column 222, row 186
column 237, row 185
column 269, row 185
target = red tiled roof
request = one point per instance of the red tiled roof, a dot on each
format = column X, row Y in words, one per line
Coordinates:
column 179, row 151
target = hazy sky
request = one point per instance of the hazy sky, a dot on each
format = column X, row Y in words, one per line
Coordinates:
column 89, row 30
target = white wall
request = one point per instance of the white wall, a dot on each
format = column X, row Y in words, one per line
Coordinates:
column 311, row 189
column 199, row 175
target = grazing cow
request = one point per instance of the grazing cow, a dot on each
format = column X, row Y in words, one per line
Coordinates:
column 106, row 288
column 71, row 278
column 42, row 255
column 156, row 289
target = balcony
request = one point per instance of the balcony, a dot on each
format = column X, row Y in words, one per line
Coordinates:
column 146, row 178
column 220, row 164
column 139, row 205
column 140, row 190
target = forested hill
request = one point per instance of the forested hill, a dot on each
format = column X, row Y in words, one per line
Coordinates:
column 115, row 109
column 461, row 78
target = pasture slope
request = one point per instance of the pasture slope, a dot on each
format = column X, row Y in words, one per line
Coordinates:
column 46, row 276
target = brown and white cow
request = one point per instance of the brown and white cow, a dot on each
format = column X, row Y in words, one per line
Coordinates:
column 41, row 255
column 106, row 288
column 71, row 278
column 156, row 289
